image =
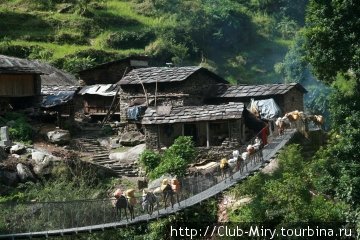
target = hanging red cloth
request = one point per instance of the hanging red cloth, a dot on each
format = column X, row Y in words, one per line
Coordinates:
column 264, row 133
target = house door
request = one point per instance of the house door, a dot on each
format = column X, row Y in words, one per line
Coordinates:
column 191, row 130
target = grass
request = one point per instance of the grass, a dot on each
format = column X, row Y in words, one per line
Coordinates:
column 60, row 51
column 124, row 9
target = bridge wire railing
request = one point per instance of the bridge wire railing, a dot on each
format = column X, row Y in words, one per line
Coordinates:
column 33, row 217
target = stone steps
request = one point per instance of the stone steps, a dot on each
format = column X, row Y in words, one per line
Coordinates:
column 100, row 156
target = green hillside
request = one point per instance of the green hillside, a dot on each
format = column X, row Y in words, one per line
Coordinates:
column 241, row 40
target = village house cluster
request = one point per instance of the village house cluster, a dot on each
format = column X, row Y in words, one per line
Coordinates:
column 160, row 102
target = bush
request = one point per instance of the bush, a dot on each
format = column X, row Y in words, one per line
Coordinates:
column 20, row 130
column 129, row 39
column 176, row 158
column 150, row 160
column 171, row 164
column 184, row 148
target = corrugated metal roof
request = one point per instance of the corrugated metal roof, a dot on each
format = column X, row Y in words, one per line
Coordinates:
column 99, row 89
column 194, row 113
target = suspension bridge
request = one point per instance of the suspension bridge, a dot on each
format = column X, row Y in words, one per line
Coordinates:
column 46, row 219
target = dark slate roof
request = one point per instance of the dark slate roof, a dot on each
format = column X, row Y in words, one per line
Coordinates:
column 55, row 76
column 17, row 65
column 163, row 74
column 102, row 65
column 194, row 114
column 55, row 80
column 239, row 91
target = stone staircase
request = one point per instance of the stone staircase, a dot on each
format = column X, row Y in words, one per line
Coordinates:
column 99, row 155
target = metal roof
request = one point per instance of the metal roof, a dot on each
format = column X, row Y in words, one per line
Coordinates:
column 99, row 89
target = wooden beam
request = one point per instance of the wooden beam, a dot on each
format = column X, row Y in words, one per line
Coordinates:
column 162, row 95
column 158, row 136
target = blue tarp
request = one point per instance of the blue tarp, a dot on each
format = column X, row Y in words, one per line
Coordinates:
column 57, row 99
column 134, row 113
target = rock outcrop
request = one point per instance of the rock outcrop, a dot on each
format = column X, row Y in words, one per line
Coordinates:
column 59, row 136
column 132, row 138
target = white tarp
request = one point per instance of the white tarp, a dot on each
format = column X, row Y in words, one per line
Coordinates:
column 267, row 108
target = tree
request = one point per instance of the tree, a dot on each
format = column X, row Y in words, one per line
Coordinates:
column 333, row 38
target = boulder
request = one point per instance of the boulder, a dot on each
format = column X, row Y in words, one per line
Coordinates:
column 114, row 143
column 42, row 162
column 24, row 172
column 17, row 156
column 18, row 149
column 43, row 167
column 8, row 178
column 132, row 138
column 59, row 136
column 131, row 155
column 104, row 142
column 38, row 156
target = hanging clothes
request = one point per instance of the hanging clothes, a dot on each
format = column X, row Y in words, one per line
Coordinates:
column 136, row 112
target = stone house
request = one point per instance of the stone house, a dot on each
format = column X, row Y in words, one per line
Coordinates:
column 97, row 99
column 111, row 72
column 100, row 89
column 165, row 86
column 209, row 125
column 174, row 98
column 289, row 97
column 20, row 83
column 58, row 91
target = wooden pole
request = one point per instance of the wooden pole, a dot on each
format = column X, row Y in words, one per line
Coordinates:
column 156, row 88
column 158, row 136
column 113, row 101
column 207, row 135
column 145, row 93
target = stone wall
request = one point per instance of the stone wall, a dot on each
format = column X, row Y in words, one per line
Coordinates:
column 108, row 74
column 169, row 132
column 293, row 100
column 190, row 92
column 151, row 139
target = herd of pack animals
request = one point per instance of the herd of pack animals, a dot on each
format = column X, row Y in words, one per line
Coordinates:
column 171, row 189
column 298, row 119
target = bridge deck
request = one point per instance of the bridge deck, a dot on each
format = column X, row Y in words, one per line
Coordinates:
column 269, row 152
